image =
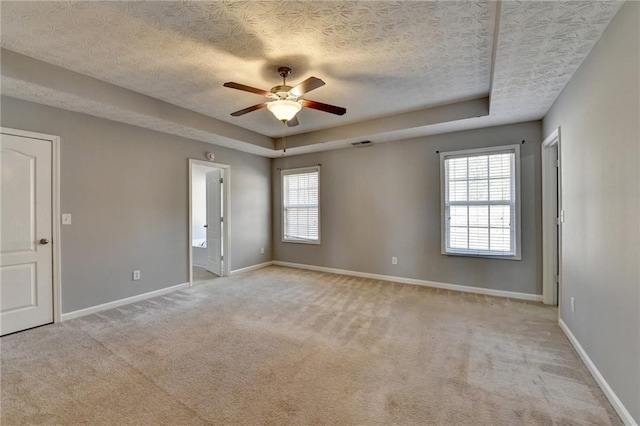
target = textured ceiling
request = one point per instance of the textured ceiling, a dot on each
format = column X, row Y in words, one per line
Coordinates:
column 378, row 58
column 540, row 46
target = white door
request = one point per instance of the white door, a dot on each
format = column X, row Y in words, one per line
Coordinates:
column 214, row 222
column 26, row 263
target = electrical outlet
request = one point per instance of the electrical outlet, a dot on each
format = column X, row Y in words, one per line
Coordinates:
column 394, row 260
column 573, row 304
column 261, row 250
column 136, row 275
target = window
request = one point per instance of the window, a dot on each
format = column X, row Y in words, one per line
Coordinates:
column 301, row 205
column 481, row 202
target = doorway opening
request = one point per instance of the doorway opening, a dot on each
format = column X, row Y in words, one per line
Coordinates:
column 208, row 221
column 552, row 219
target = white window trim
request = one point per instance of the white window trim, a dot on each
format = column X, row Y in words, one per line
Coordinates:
column 283, row 173
column 518, row 216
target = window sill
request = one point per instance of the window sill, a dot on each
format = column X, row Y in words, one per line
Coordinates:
column 483, row 256
column 302, row 242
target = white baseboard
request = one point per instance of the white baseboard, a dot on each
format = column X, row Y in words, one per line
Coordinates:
column 117, row 303
column 251, row 268
column 606, row 389
column 445, row 286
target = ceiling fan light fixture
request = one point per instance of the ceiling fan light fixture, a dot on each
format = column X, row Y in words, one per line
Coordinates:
column 283, row 109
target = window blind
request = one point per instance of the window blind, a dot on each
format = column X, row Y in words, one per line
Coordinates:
column 480, row 209
column 300, row 205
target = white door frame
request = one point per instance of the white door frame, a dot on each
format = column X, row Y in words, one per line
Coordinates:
column 551, row 220
column 226, row 185
column 55, row 210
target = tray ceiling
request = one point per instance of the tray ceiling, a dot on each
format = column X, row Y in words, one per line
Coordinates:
column 377, row 58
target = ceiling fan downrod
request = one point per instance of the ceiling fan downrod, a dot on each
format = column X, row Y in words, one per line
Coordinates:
column 284, row 73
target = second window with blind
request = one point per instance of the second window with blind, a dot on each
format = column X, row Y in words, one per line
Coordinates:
column 481, row 202
column 301, row 205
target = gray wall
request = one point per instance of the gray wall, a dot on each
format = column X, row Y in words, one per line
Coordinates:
column 598, row 115
column 384, row 201
column 127, row 189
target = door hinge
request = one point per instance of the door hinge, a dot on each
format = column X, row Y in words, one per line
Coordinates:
column 558, row 279
column 221, row 257
column 557, row 163
column 557, row 221
column 221, row 219
column 221, row 180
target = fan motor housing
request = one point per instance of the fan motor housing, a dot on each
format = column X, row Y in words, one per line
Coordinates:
column 281, row 89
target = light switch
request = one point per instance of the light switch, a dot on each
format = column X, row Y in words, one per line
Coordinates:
column 66, row 219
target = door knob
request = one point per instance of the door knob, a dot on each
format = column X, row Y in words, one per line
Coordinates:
column 44, row 241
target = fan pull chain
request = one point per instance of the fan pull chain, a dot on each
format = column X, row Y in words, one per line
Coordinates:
column 284, row 138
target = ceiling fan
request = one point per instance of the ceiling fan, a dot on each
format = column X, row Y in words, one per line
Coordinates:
column 286, row 100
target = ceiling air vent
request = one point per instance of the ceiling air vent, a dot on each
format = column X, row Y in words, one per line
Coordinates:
column 362, row 144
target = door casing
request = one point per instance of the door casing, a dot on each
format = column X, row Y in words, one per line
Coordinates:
column 55, row 211
column 551, row 191
column 226, row 265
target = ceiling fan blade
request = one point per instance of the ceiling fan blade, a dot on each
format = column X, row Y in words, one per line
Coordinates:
column 324, row 107
column 306, row 86
column 251, row 108
column 242, row 87
column 293, row 122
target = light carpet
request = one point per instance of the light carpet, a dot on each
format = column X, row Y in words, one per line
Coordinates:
column 282, row 346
